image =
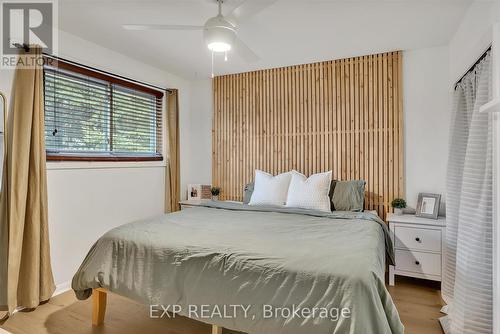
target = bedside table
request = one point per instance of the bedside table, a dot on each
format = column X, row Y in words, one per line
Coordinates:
column 187, row 204
column 418, row 246
column 193, row 203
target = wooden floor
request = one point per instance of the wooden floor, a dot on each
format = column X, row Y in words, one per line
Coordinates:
column 418, row 304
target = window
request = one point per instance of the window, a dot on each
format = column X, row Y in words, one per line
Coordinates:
column 94, row 116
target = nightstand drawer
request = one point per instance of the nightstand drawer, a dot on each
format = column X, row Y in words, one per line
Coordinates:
column 417, row 238
column 418, row 262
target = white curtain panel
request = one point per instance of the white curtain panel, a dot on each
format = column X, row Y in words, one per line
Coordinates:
column 467, row 283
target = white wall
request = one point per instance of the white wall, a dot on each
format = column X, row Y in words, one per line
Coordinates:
column 87, row 199
column 473, row 37
column 427, row 119
column 85, row 203
column 200, row 162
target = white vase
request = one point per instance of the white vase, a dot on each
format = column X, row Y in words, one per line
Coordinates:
column 398, row 211
column 215, row 197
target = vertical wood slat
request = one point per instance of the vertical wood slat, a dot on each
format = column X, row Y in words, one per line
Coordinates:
column 343, row 115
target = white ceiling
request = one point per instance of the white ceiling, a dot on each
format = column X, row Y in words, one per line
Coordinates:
column 288, row 32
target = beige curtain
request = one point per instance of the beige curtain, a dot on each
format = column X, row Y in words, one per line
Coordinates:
column 26, row 274
column 172, row 177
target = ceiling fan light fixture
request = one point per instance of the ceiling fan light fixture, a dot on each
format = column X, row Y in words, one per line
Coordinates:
column 219, row 47
column 219, row 34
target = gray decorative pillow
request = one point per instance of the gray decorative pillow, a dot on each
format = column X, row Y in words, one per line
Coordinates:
column 247, row 193
column 349, row 195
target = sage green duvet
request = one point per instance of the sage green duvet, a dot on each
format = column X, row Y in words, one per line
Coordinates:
column 258, row 270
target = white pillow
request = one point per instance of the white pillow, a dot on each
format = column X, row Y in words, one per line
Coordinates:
column 310, row 193
column 270, row 190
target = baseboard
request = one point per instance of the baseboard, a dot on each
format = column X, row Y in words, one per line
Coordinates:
column 61, row 288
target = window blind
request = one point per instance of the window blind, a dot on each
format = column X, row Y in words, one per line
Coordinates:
column 89, row 115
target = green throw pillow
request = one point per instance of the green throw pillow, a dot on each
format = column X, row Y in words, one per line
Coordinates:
column 349, row 195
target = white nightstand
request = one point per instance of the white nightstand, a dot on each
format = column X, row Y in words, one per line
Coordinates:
column 418, row 246
column 186, row 204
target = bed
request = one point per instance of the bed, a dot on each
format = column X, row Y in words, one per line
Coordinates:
column 275, row 262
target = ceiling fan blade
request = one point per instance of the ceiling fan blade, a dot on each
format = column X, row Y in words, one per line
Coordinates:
column 160, row 27
column 248, row 9
column 244, row 51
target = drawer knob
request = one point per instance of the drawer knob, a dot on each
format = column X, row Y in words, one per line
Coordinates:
column 417, row 263
column 417, row 239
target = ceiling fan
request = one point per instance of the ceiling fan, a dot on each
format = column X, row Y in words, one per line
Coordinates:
column 220, row 32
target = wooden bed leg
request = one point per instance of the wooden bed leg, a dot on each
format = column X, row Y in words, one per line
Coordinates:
column 216, row 329
column 98, row 306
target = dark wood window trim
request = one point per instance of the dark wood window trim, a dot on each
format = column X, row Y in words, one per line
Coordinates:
column 57, row 63
column 89, row 157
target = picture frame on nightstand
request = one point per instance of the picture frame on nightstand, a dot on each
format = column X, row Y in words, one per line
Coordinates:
column 196, row 192
column 428, row 205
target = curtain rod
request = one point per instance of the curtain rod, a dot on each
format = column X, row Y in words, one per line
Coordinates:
column 26, row 48
column 473, row 66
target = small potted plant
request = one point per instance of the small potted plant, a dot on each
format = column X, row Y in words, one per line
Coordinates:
column 215, row 193
column 398, row 204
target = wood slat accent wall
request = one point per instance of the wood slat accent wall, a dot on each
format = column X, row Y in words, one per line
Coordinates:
column 344, row 115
